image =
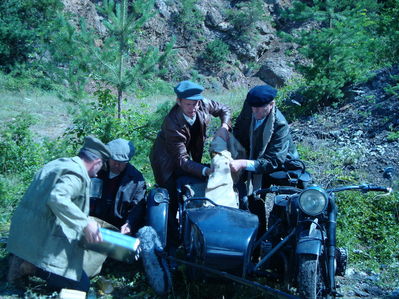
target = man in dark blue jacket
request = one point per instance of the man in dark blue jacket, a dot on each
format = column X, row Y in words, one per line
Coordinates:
column 265, row 134
column 121, row 200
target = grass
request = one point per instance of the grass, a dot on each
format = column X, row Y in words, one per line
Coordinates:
column 50, row 112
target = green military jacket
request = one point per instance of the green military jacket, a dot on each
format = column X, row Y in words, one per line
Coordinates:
column 48, row 223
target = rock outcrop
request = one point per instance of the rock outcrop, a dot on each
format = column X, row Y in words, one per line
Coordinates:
column 261, row 55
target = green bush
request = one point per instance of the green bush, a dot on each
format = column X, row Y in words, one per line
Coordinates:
column 343, row 45
column 19, row 153
column 24, row 27
column 368, row 226
column 389, row 29
column 21, row 156
column 190, row 18
column 216, row 53
column 244, row 16
column 137, row 124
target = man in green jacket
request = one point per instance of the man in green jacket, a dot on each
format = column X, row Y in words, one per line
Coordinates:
column 52, row 217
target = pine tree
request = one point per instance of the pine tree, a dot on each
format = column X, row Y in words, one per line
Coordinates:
column 114, row 61
column 116, row 65
column 342, row 46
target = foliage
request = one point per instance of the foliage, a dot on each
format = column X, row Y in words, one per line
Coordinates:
column 113, row 56
column 18, row 150
column 138, row 125
column 216, row 53
column 71, row 60
column 190, row 18
column 21, row 155
column 389, row 29
column 393, row 89
column 24, row 27
column 343, row 46
column 368, row 226
column 393, row 136
column 243, row 16
column 80, row 54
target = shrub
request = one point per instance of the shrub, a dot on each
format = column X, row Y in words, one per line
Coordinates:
column 24, row 26
column 368, row 225
column 216, row 53
column 137, row 124
column 19, row 153
column 342, row 47
column 21, row 156
column 190, row 18
column 393, row 136
column 244, row 16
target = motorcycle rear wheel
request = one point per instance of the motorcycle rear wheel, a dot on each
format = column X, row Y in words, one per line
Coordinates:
column 310, row 281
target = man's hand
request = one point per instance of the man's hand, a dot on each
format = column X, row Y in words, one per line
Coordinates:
column 92, row 232
column 237, row 165
column 125, row 229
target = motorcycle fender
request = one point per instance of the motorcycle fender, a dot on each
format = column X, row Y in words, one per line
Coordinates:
column 157, row 212
column 310, row 244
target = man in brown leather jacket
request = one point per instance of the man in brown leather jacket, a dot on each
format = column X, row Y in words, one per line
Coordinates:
column 179, row 146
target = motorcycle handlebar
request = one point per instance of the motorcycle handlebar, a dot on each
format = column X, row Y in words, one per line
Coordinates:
column 363, row 188
column 277, row 190
column 292, row 190
column 368, row 188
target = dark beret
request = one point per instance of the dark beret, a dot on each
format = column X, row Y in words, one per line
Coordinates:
column 261, row 95
column 189, row 90
column 95, row 146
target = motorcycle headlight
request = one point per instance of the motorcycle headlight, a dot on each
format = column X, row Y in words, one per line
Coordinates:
column 313, row 201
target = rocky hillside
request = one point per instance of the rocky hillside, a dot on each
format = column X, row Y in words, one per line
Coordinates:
column 254, row 55
column 358, row 131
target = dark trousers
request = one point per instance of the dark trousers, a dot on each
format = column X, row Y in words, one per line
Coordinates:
column 173, row 232
column 58, row 282
column 255, row 206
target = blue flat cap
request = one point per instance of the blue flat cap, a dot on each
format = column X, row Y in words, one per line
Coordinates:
column 189, row 90
column 261, row 95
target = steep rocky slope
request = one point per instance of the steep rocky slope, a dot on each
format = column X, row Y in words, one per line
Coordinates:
column 359, row 129
column 260, row 56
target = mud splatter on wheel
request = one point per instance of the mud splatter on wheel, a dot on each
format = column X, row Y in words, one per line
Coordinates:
column 155, row 265
column 341, row 258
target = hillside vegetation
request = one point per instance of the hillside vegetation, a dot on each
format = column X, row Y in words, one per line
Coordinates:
column 61, row 80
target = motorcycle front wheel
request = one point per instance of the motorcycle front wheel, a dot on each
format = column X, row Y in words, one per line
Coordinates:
column 310, row 281
column 155, row 265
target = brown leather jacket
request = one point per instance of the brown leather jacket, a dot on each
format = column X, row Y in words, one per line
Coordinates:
column 170, row 150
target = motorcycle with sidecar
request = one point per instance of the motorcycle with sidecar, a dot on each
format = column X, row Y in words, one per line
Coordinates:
column 298, row 249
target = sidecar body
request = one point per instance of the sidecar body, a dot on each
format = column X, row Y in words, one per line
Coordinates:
column 220, row 237
column 216, row 236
